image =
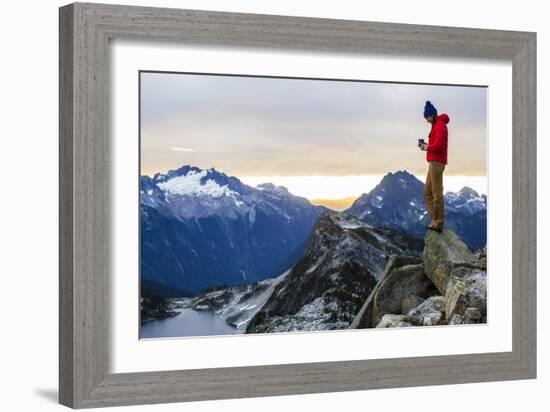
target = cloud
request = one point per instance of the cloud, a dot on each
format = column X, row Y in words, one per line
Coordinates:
column 182, row 149
column 249, row 126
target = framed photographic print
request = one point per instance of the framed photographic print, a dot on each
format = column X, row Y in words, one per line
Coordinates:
column 257, row 205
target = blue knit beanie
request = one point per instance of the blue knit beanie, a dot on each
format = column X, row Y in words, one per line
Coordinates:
column 429, row 110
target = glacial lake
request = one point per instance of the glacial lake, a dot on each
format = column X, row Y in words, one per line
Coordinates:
column 188, row 323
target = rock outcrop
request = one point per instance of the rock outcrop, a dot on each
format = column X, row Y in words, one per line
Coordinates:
column 364, row 318
column 343, row 262
column 428, row 313
column 448, row 286
column 442, row 253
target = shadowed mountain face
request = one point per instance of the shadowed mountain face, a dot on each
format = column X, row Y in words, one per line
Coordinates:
column 202, row 228
column 325, row 289
column 397, row 202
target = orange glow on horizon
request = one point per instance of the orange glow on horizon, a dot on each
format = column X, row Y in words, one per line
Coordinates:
column 335, row 204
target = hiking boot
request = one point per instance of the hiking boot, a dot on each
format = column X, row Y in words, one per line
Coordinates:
column 434, row 227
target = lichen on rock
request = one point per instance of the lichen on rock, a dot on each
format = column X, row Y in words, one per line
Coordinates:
column 442, row 253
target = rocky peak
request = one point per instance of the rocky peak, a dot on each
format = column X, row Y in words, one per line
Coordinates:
column 191, row 180
column 343, row 259
column 401, row 177
column 466, row 201
column 399, row 187
column 335, row 228
column 468, row 191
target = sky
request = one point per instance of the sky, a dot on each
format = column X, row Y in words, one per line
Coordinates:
column 322, row 139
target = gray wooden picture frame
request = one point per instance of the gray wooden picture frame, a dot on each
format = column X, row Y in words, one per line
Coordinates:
column 85, row 31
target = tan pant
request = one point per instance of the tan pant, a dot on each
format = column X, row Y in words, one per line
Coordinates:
column 433, row 193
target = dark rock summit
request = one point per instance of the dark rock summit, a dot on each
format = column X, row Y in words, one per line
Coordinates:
column 342, row 263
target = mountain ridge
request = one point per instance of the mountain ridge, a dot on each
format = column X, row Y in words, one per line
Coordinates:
column 326, row 287
column 201, row 228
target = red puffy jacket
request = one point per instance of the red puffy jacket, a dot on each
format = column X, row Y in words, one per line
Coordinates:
column 437, row 144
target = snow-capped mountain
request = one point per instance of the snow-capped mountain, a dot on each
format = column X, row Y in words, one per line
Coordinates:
column 202, row 228
column 398, row 202
column 190, row 192
column 466, row 201
column 327, row 286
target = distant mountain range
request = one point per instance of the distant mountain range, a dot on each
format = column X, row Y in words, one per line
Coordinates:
column 398, row 202
column 201, row 228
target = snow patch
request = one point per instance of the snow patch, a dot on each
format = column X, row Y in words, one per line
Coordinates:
column 190, row 184
column 252, row 215
column 349, row 225
column 377, row 202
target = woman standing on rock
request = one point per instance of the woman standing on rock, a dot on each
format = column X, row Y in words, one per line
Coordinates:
column 436, row 155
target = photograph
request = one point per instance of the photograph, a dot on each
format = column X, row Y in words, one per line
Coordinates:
column 284, row 204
